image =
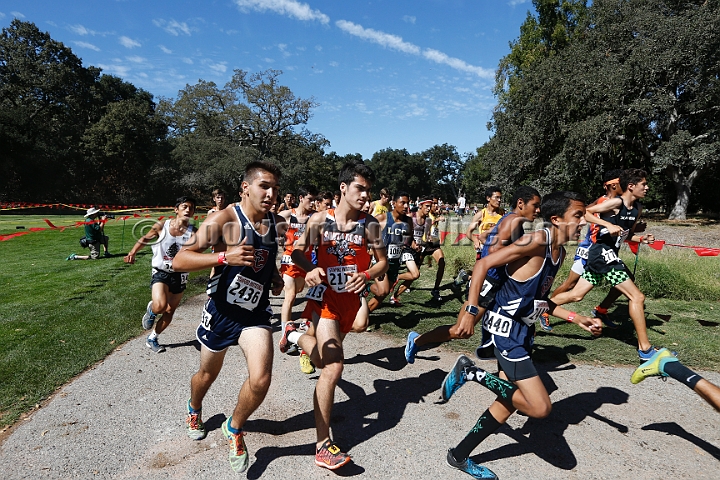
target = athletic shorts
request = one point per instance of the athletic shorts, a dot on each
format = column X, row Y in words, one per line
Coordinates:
column 176, row 281
column 292, row 270
column 311, row 309
column 516, row 370
column 394, row 265
column 578, row 266
column 342, row 307
column 218, row 332
column 614, row 277
column 430, row 248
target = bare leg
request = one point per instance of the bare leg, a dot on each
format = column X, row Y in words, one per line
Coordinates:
column 637, row 311
column 709, row 392
column 567, row 285
column 256, row 344
column 331, row 354
column 172, row 301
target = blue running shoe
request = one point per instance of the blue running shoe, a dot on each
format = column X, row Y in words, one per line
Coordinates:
column 650, row 352
column 410, row 348
column 148, row 319
column 471, row 468
column 455, row 378
column 605, row 319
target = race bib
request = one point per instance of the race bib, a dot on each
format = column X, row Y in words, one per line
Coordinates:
column 244, row 293
column 286, row 260
column 541, row 306
column 582, row 252
column 486, row 287
column 338, row 276
column 497, row 324
column 609, row 256
column 206, row 321
column 394, row 252
column 184, row 278
column 167, row 265
column 316, row 292
column 407, row 257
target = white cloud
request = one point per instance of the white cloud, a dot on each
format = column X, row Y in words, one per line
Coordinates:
column 129, row 42
column 119, row 70
column 319, row 48
column 2, row 15
column 165, row 49
column 268, row 60
column 409, row 19
column 136, row 59
column 512, row 3
column 87, row 45
column 439, row 57
column 173, row 27
column 283, row 49
column 396, row 43
column 291, row 8
column 334, row 64
column 216, row 67
column 381, row 38
column 81, row 30
column 17, row 15
column 187, row 60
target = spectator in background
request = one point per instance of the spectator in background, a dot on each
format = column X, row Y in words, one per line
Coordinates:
column 220, row 200
column 95, row 235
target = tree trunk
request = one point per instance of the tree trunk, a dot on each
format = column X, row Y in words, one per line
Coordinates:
column 683, row 188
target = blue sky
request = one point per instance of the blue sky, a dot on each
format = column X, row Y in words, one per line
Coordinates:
column 393, row 73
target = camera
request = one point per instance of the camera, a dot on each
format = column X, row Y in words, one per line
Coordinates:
column 107, row 215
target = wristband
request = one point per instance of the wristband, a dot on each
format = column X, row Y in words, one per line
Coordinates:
column 642, row 238
column 221, row 259
column 367, row 276
column 571, row 317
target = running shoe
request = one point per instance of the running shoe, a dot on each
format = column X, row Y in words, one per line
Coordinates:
column 107, row 254
column 195, row 426
column 329, row 456
column 410, row 348
column 148, row 319
column 153, row 345
column 238, row 450
column 545, row 322
column 395, row 301
column 455, row 378
column 649, row 353
column 605, row 319
column 435, row 294
column 71, row 256
column 306, row 365
column 654, row 366
column 284, row 345
column 461, row 278
column 470, row 467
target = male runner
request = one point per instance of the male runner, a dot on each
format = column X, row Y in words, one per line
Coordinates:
column 324, row 201
column 664, row 364
column 611, row 183
column 526, row 207
column 421, row 234
column 531, row 264
column 294, row 277
column 238, row 311
column 397, row 228
column 219, row 199
column 383, row 204
column 342, row 236
column 618, row 217
column 288, row 202
column 487, row 218
column 168, row 282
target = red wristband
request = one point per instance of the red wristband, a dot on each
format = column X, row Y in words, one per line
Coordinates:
column 367, row 275
column 571, row 317
column 221, row 259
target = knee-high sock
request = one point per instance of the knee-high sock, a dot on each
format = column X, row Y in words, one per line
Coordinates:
column 485, row 426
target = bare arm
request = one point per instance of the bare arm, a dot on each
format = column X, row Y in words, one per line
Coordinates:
column 154, row 232
column 603, row 207
column 310, row 236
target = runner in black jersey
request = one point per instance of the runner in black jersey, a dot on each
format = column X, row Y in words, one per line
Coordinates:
column 618, row 217
column 238, row 311
column 526, row 207
column 531, row 264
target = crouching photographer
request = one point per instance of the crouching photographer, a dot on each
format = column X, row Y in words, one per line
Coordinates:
column 94, row 235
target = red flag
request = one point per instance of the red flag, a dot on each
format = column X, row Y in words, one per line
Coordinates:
column 633, row 246
column 443, row 235
column 50, row 224
column 163, row 216
column 707, row 252
column 657, row 244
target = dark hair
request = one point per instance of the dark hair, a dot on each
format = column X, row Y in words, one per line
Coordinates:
column 355, row 169
column 555, row 204
column 386, row 192
column 218, row 191
column 612, row 175
column 327, row 196
column 525, row 194
column 399, row 194
column 305, row 190
column 490, row 190
column 185, row 199
column 253, row 168
column 631, row 175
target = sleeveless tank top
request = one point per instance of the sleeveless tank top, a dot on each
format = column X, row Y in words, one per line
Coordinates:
column 342, row 253
column 165, row 249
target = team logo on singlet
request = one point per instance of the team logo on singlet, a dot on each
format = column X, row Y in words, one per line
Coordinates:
column 340, row 250
column 261, row 256
column 173, row 250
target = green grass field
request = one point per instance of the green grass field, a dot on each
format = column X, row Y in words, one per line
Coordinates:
column 59, row 317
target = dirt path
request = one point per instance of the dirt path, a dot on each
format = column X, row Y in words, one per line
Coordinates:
column 125, row 419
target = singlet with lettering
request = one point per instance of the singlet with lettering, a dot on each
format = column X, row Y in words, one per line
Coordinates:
column 510, row 322
column 396, row 237
column 419, row 229
column 167, row 246
column 293, row 233
column 236, row 289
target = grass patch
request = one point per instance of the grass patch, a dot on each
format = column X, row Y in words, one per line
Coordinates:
column 59, row 317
